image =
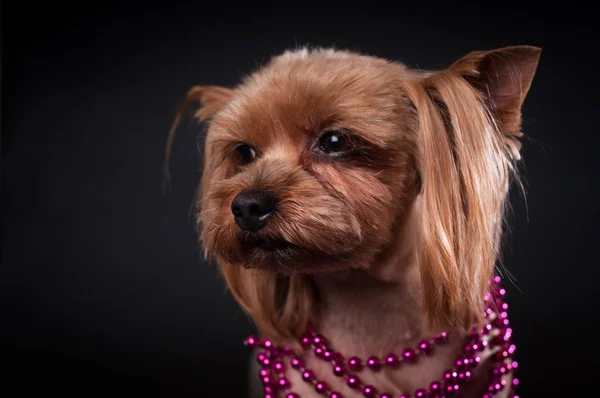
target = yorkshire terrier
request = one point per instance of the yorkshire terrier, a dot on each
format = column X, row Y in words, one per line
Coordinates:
column 355, row 207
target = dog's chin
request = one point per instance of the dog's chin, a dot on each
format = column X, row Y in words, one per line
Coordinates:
column 282, row 257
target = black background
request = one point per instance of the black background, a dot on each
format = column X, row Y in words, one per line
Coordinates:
column 104, row 289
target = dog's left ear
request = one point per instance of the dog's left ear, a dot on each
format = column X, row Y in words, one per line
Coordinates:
column 209, row 100
column 504, row 75
column 469, row 120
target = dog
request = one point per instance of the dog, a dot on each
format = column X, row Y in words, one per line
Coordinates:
column 355, row 207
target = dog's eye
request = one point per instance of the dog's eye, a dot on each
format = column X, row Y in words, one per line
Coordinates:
column 246, row 152
column 334, row 142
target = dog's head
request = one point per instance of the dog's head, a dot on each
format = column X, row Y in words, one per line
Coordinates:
column 312, row 162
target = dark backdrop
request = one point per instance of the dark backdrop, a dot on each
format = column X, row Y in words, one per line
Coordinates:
column 104, row 290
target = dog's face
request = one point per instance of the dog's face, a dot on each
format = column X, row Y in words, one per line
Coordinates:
column 312, row 162
column 309, row 164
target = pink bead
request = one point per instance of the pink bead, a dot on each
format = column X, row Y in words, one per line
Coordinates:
column 266, row 380
column 318, row 340
column 269, row 395
column 448, row 375
column 404, row 396
column 497, row 279
column 292, row 395
column 456, row 388
column 279, row 366
column 501, row 355
column 514, row 364
column 409, row 355
column 266, row 362
column 515, row 382
column 308, row 375
column 327, row 355
column 267, row 344
column 321, row 387
column 441, row 338
column 269, row 389
column 296, row 363
column 336, row 394
column 263, row 373
column 392, row 361
column 468, row 349
column 474, row 334
column 283, row 383
column 497, row 340
column 374, row 364
column 386, row 395
column 275, row 352
column 286, row 351
column 420, row 393
column 353, row 382
column 436, row 386
column 251, row 341
column 305, row 342
column 472, row 363
column 261, row 357
column 425, row 347
column 369, row 391
column 338, row 370
column 355, row 364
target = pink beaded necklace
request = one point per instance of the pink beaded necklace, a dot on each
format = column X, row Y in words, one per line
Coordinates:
column 272, row 373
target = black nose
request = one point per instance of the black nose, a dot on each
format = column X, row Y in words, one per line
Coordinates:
column 252, row 208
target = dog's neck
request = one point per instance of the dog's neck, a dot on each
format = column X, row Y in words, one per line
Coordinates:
column 365, row 316
column 377, row 309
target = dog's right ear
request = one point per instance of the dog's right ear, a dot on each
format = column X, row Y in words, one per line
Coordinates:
column 209, row 100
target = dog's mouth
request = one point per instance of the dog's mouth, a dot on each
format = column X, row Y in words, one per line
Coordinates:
column 272, row 244
column 273, row 253
column 265, row 244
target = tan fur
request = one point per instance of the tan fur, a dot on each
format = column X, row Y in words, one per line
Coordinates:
column 447, row 139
